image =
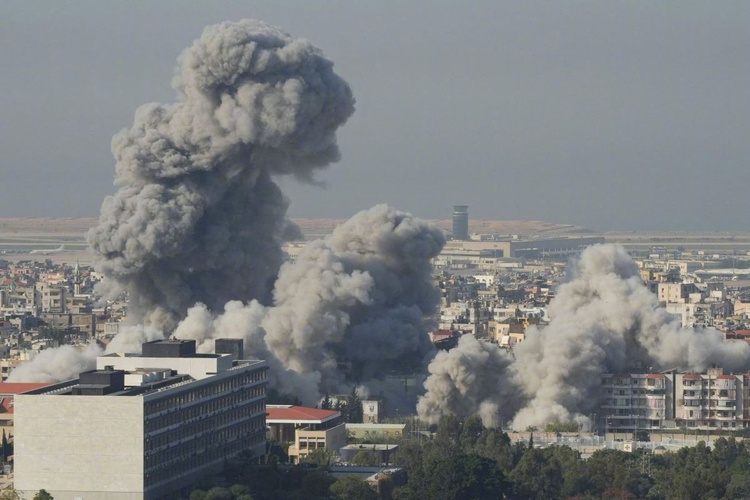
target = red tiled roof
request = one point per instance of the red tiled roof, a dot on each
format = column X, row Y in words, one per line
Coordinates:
column 300, row 413
column 726, row 377
column 20, row 387
column 656, row 375
column 691, row 376
column 10, row 389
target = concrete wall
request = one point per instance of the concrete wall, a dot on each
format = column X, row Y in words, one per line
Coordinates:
column 71, row 444
column 196, row 367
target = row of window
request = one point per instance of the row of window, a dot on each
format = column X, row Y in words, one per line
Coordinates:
column 240, row 381
column 194, row 454
column 201, row 424
column 178, row 415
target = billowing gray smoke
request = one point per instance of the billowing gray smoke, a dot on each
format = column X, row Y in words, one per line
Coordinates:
column 351, row 307
column 198, row 217
column 603, row 320
column 469, row 379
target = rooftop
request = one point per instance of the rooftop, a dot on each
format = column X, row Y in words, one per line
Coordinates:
column 290, row 413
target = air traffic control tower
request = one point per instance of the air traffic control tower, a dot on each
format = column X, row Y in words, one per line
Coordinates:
column 460, row 222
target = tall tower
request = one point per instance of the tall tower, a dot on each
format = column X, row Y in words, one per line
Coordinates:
column 77, row 280
column 460, row 222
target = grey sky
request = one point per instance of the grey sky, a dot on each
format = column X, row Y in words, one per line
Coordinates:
column 614, row 115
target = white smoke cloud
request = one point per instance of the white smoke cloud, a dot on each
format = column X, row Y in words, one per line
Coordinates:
column 470, row 378
column 198, row 217
column 603, row 320
column 346, row 310
column 58, row 364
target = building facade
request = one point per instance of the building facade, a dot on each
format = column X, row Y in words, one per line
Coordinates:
column 657, row 401
column 120, row 432
column 306, row 429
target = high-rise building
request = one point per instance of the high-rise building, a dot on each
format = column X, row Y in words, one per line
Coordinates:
column 140, row 427
column 460, row 222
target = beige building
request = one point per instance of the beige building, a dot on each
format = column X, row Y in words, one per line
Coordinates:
column 305, row 429
column 376, row 433
column 120, row 432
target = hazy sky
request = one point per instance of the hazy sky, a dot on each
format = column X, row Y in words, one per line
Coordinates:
column 614, row 115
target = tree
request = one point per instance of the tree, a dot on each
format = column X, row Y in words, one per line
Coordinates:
column 319, row 456
column 353, row 488
column 316, row 484
column 326, row 404
column 366, row 458
column 241, row 492
column 353, row 407
column 218, row 493
column 10, row 493
column 5, row 447
column 471, row 432
column 448, row 431
column 43, row 495
column 537, row 476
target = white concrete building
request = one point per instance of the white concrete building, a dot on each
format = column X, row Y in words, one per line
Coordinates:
column 139, row 429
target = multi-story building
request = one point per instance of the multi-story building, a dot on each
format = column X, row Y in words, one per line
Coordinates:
column 711, row 399
column 8, row 391
column 653, row 401
column 306, row 429
column 634, row 401
column 140, row 427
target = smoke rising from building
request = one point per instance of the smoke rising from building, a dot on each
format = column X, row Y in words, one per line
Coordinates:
column 602, row 321
column 348, row 309
column 194, row 232
column 197, row 216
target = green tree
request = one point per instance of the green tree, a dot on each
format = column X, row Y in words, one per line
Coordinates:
column 471, row 432
column 326, row 404
column 480, row 478
column 10, row 493
column 197, row 495
column 353, row 407
column 6, row 447
column 353, row 488
column 538, row 476
column 241, row 492
column 562, row 427
column 43, row 495
column 366, row 458
column 317, row 484
column 616, row 470
column 218, row 493
column 320, row 456
column 575, row 477
column 449, row 431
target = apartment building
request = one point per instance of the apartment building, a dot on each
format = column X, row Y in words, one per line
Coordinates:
column 139, row 427
column 711, row 399
column 655, row 401
column 636, row 401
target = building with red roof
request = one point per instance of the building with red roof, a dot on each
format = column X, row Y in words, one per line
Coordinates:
column 305, row 429
column 7, row 392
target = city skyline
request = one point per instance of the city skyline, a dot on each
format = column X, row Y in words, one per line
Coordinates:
column 607, row 115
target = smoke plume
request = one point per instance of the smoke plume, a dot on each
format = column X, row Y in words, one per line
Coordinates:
column 470, row 378
column 603, row 320
column 348, row 309
column 197, row 216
